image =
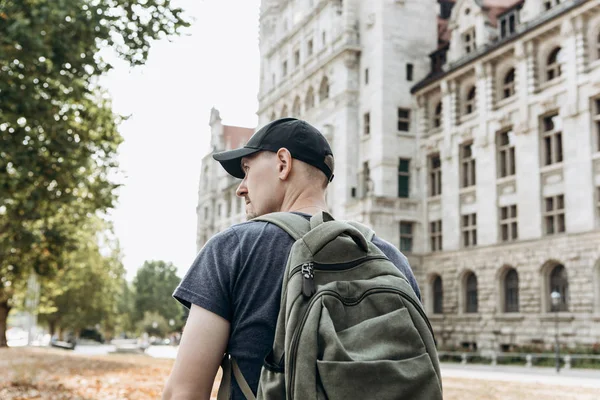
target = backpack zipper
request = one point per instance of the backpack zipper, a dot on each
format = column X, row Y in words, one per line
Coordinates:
column 296, row 336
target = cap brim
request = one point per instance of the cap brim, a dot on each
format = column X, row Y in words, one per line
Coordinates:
column 231, row 160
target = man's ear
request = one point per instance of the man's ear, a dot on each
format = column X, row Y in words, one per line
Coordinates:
column 284, row 163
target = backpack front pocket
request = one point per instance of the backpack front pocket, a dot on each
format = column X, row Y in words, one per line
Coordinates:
column 412, row 378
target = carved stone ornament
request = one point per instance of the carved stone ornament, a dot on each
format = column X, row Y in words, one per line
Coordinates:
column 521, row 128
column 549, row 104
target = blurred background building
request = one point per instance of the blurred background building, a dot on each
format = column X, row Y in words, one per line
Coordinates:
column 467, row 133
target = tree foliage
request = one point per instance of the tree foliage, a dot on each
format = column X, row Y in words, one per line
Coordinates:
column 85, row 293
column 154, row 284
column 58, row 133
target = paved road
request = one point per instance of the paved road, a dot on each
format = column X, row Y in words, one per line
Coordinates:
column 548, row 376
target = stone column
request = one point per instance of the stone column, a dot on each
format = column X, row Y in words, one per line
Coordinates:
column 576, row 138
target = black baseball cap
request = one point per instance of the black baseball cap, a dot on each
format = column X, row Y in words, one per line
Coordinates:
column 304, row 142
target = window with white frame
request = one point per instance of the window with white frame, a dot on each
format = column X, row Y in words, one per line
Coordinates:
column 470, row 101
column 511, row 291
column 506, row 153
column 284, row 68
column 508, row 223
column 435, row 235
column 471, row 305
column 404, row 178
column 309, row 47
column 403, row 119
column 552, row 139
column 435, row 176
column 598, row 46
column 309, row 102
column 553, row 64
column 296, row 58
column 469, row 41
column 406, row 237
column 559, row 283
column 324, row 89
column 469, row 230
column 508, row 85
column 596, row 117
column 467, row 162
column 554, row 214
column 437, row 115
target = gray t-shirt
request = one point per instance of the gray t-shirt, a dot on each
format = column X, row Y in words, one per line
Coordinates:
column 238, row 275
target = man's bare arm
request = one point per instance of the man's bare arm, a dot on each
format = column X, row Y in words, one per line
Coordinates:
column 201, row 350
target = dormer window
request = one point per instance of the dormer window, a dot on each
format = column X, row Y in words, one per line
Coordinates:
column 469, row 41
column 508, row 24
column 548, row 4
column 470, row 101
column 553, row 66
column 508, row 87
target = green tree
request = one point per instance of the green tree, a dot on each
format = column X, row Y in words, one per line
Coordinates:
column 85, row 293
column 58, row 133
column 154, row 284
column 154, row 324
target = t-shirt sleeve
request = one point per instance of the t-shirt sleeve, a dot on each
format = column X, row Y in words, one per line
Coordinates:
column 399, row 261
column 209, row 281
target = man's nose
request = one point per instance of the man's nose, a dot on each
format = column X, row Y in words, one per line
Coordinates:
column 242, row 190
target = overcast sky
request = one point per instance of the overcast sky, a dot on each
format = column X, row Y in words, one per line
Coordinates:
column 169, row 100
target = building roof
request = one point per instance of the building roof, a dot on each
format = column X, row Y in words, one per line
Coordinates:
column 235, row 136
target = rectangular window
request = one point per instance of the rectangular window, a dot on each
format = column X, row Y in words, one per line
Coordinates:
column 309, row 47
column 598, row 201
column 596, row 114
column 205, row 212
column 508, row 223
column 406, row 236
column 506, row 154
column 409, row 72
column 469, row 230
column 508, row 25
column 467, row 162
column 297, row 58
column 469, row 41
column 284, row 68
column 435, row 176
column 554, row 214
column 403, row 119
column 552, row 137
column 324, row 38
column 367, row 123
column 435, row 235
column 366, row 76
column 403, row 178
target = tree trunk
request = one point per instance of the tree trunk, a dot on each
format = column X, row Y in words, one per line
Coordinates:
column 4, row 309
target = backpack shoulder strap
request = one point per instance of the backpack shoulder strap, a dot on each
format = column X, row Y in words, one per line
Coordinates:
column 367, row 232
column 295, row 225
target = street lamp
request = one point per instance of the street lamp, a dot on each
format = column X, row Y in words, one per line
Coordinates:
column 555, row 296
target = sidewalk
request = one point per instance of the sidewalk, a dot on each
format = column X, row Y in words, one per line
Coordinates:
column 547, row 376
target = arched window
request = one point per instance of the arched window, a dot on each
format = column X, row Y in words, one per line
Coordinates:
column 437, row 115
column 273, row 116
column 559, row 283
column 553, row 64
column 470, row 100
column 508, row 87
column 284, row 112
column 324, row 89
column 471, row 293
column 309, row 102
column 511, row 291
column 438, row 296
column 296, row 108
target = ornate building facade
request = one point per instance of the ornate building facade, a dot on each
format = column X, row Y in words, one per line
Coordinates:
column 465, row 132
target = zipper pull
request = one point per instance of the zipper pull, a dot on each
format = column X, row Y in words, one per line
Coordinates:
column 308, row 279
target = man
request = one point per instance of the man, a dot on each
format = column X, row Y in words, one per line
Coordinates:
column 233, row 288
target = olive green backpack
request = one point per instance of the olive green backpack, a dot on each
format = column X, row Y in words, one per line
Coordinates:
column 350, row 325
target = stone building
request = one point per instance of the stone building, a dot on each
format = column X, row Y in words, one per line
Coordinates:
column 465, row 132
